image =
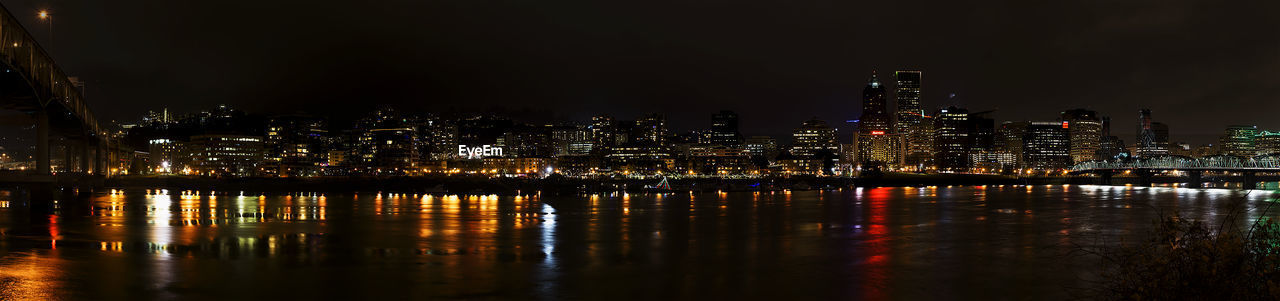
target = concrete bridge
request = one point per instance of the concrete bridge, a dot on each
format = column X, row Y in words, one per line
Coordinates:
column 32, row 83
column 1194, row 168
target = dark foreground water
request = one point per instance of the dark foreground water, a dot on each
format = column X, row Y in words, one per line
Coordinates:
column 1007, row 242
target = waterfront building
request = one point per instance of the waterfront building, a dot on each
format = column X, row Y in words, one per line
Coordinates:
column 165, row 155
column 814, row 137
column 522, row 165
column 1109, row 146
column 527, row 141
column 572, row 140
column 1011, row 135
column 1047, row 146
column 724, row 129
column 1206, row 150
column 951, row 139
column 296, row 145
column 1153, row 137
column 878, row 143
column 224, row 155
column 1085, row 129
column 1267, row 143
column 1240, row 140
column 912, row 124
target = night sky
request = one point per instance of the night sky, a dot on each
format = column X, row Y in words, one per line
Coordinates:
column 1199, row 65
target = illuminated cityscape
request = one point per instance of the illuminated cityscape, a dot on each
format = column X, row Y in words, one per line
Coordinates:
column 641, row 150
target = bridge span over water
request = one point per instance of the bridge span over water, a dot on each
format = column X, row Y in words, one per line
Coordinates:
column 32, row 83
column 1193, row 168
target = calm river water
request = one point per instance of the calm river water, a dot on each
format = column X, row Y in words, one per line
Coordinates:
column 1003, row 242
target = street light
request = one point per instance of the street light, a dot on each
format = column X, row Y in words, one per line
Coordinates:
column 44, row 15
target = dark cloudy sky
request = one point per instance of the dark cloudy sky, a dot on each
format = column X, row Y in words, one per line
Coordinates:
column 1199, row 65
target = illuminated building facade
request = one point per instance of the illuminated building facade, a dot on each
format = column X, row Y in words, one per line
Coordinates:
column 1085, row 129
column 814, row 137
column 724, row 129
column 224, row 155
column 1153, row 137
column 296, row 145
column 1240, row 140
column 951, row 139
column 876, row 140
column 165, row 155
column 1047, row 146
column 1267, row 143
column 913, row 125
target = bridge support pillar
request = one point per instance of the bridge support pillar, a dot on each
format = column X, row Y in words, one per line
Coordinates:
column 42, row 142
column 1196, row 180
column 1105, row 176
column 84, row 151
column 1250, row 180
column 1144, row 177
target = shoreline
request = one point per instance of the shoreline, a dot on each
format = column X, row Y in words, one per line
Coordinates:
column 575, row 186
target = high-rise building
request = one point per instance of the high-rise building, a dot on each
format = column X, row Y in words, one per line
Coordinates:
column 951, row 139
column 724, row 129
column 813, row 138
column 877, row 142
column 1047, row 146
column 1240, row 140
column 913, row 125
column 875, row 110
column 1149, row 136
column 1109, row 146
column 1011, row 135
column 1085, row 129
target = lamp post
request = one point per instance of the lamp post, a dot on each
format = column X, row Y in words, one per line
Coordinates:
column 48, row 18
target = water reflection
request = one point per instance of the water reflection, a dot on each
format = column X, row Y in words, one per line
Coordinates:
column 860, row 243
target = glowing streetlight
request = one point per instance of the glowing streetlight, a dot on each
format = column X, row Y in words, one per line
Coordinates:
column 44, row 14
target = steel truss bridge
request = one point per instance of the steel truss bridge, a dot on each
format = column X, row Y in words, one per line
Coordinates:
column 1195, row 168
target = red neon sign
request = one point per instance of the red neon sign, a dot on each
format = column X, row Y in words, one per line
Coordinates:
column 1064, row 124
column 877, row 132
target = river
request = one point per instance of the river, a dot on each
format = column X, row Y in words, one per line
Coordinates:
column 894, row 243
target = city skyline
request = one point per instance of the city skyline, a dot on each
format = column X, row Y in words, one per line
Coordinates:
column 1116, row 61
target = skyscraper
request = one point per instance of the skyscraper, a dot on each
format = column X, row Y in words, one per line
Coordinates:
column 724, row 129
column 1085, row 129
column 1149, row 141
column 875, row 110
column 876, row 140
column 916, row 132
column 1240, row 140
column 1046, row 146
column 1109, row 146
column 951, row 139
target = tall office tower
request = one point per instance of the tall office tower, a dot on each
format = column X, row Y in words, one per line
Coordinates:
column 1011, row 134
column 876, row 140
column 916, row 132
column 1085, row 129
column 1240, row 140
column 1046, row 146
column 951, row 139
column 875, row 110
column 1149, row 138
column 1109, row 146
column 724, row 129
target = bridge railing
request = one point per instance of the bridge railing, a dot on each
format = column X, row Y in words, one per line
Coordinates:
column 1180, row 162
column 21, row 52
